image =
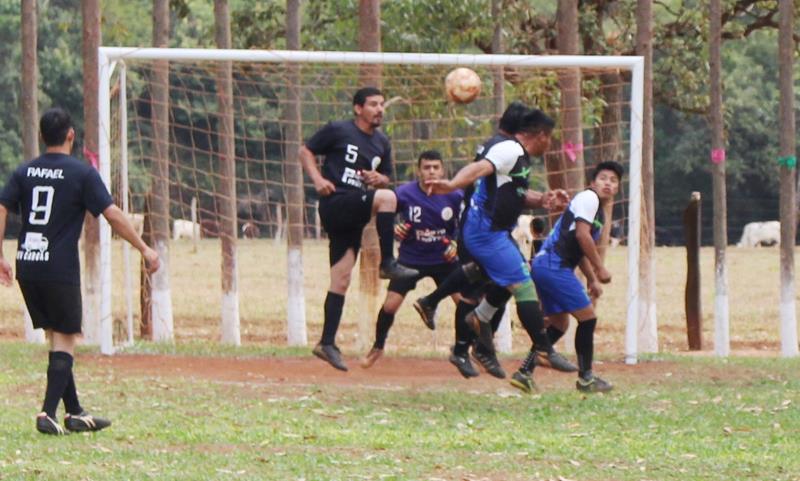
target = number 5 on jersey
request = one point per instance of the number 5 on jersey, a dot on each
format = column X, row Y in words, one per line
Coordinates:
column 41, row 204
column 352, row 153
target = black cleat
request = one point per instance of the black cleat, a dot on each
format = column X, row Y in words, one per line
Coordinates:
column 554, row 360
column 47, row 425
column 463, row 364
column 85, row 422
column 523, row 382
column 592, row 383
column 426, row 312
column 489, row 362
column 393, row 270
column 330, row 354
column 483, row 330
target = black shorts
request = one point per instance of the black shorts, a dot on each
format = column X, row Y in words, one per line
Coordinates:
column 53, row 305
column 344, row 215
column 438, row 273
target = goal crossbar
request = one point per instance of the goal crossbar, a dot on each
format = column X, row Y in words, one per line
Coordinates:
column 108, row 57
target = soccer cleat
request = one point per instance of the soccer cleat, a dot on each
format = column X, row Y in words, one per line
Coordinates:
column 523, row 382
column 554, row 360
column 463, row 364
column 426, row 312
column 483, row 330
column 47, row 425
column 592, row 383
column 330, row 354
column 371, row 358
column 85, row 422
column 392, row 270
column 489, row 362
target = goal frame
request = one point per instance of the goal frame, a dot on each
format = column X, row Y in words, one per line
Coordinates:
column 109, row 58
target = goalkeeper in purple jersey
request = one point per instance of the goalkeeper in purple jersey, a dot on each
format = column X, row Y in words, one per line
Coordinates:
column 426, row 231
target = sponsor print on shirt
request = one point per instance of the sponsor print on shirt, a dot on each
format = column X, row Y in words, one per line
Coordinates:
column 34, row 249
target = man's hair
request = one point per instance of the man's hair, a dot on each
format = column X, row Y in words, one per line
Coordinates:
column 611, row 165
column 511, row 118
column 535, row 121
column 429, row 155
column 361, row 95
column 54, row 126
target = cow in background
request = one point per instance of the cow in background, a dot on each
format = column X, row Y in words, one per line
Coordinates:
column 761, row 234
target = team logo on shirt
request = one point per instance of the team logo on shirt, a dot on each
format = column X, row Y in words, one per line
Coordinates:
column 34, row 248
column 376, row 161
column 447, row 213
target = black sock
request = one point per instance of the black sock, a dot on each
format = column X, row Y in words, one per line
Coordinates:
column 58, row 369
column 385, row 321
column 584, row 345
column 333, row 314
column 554, row 334
column 384, row 224
column 464, row 335
column 529, row 362
column 533, row 321
column 451, row 284
column 70, row 396
column 498, row 297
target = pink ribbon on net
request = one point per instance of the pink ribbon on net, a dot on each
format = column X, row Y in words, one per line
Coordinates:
column 91, row 156
column 572, row 150
column 717, row 156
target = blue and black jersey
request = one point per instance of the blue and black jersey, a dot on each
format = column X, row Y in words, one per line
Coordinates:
column 562, row 242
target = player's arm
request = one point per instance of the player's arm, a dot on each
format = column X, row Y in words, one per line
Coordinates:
column 375, row 179
column 309, row 162
column 122, row 226
column 463, row 178
column 595, row 290
column 6, row 273
column 583, row 234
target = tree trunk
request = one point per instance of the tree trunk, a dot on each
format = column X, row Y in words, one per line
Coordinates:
column 231, row 333
column 30, row 114
column 788, row 172
column 569, row 81
column 293, row 181
column 648, row 325
column 160, row 296
column 91, row 281
column 369, row 40
column 721, row 324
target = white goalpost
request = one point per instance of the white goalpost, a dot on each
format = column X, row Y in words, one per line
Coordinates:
column 419, row 115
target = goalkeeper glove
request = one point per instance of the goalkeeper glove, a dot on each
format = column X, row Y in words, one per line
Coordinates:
column 401, row 230
column 450, row 250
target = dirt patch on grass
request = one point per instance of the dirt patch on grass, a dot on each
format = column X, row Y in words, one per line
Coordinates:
column 395, row 372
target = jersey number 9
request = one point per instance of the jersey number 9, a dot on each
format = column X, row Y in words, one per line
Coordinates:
column 41, row 204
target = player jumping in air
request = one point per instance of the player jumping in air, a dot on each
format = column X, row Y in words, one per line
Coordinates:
column 52, row 194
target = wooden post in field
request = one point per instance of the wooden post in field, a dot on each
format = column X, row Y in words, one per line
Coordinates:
column 230, row 327
column 296, row 334
column 788, row 173
column 722, row 340
column 369, row 40
column 30, row 117
column 692, row 233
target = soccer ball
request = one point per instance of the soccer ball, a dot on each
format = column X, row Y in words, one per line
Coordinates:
column 462, row 85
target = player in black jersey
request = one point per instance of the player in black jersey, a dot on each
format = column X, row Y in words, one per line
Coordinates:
column 52, row 194
column 352, row 187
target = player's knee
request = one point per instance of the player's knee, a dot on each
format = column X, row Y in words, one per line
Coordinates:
column 385, row 200
column 524, row 292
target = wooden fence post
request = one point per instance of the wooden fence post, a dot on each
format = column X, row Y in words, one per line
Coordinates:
column 692, row 234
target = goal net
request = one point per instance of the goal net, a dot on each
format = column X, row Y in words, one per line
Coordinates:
column 200, row 147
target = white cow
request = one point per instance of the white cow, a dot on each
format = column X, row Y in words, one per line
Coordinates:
column 182, row 229
column 761, row 234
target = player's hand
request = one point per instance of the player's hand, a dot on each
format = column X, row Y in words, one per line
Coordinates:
column 595, row 290
column 372, row 178
column 451, row 251
column 555, row 199
column 438, row 186
column 603, row 275
column 401, row 230
column 6, row 273
column 151, row 260
column 324, row 187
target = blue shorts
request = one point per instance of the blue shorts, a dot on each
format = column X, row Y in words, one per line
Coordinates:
column 559, row 288
column 495, row 251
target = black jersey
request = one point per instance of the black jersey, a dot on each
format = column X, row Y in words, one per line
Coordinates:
column 52, row 194
column 562, row 241
column 348, row 150
column 501, row 195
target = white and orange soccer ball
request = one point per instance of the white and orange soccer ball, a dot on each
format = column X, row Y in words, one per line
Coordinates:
column 462, row 85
